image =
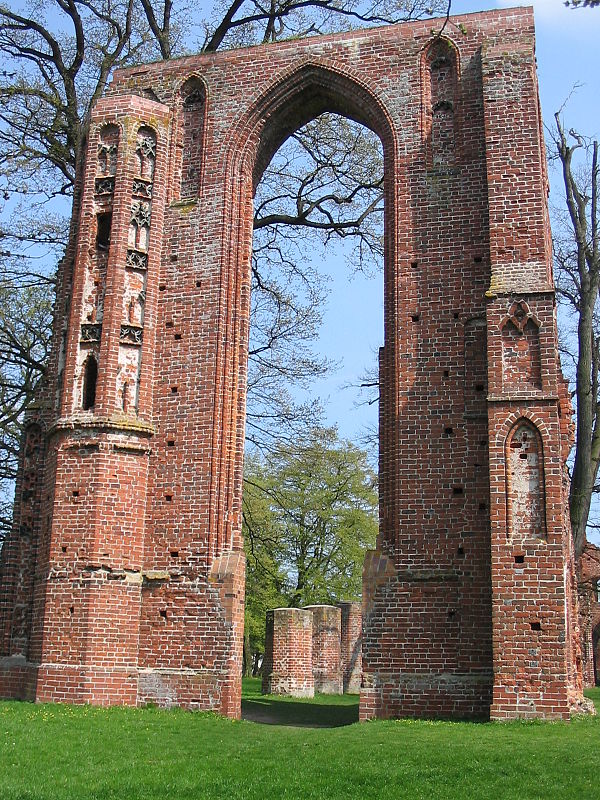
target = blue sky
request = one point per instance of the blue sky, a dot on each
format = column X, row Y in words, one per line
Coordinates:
column 568, row 66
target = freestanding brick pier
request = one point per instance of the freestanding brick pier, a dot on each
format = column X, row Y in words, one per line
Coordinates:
column 589, row 608
column 326, row 656
column 123, row 579
column 350, row 646
column 288, row 661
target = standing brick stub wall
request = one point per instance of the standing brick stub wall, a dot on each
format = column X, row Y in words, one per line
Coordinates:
column 326, row 643
column 288, row 660
column 589, row 612
column 350, row 646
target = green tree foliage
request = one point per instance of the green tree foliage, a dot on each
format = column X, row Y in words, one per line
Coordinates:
column 309, row 514
column 25, row 316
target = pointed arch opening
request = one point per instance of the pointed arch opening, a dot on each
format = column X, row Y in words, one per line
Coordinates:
column 291, row 101
column 301, row 97
column 325, row 109
column 90, row 380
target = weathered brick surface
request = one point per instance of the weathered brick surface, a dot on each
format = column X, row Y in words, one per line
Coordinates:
column 122, row 581
column 288, row 661
column 351, row 646
column 589, row 607
column 326, row 649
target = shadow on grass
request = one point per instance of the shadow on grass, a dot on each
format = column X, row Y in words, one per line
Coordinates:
column 273, row 710
column 324, row 711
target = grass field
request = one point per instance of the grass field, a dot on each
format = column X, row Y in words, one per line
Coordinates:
column 59, row 752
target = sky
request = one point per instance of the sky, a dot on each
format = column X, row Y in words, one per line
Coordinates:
column 568, row 65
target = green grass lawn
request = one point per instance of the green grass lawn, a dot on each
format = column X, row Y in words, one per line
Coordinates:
column 60, row 752
column 323, row 711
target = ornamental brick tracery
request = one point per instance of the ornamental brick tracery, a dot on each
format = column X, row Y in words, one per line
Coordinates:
column 129, row 585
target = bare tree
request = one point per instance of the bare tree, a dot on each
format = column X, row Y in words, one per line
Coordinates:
column 324, row 184
column 577, row 255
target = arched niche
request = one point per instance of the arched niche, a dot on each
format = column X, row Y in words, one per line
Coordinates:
column 145, row 151
column 521, row 355
column 525, row 483
column 108, row 144
column 191, row 108
column 440, row 69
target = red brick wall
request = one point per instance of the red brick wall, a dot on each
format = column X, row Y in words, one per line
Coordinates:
column 152, row 541
column 288, row 661
column 589, row 606
column 351, row 646
column 326, row 646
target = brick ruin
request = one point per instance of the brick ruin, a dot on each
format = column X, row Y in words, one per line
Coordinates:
column 123, row 580
column 288, row 661
column 326, row 649
column 351, row 646
column 589, row 611
column 313, row 649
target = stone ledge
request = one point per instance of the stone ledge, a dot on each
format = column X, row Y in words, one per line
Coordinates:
column 119, row 424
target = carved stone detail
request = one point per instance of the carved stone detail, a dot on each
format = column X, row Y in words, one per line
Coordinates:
column 145, row 151
column 105, row 186
column 136, row 259
column 91, row 332
column 131, row 334
column 107, row 151
column 519, row 314
column 140, row 214
column 142, row 188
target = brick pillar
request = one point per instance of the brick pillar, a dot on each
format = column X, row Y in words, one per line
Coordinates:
column 589, row 609
column 89, row 570
column 533, row 605
column 326, row 639
column 287, row 667
column 351, row 646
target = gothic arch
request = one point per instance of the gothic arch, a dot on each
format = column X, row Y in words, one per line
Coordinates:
column 440, row 72
column 293, row 99
column 523, row 415
column 299, row 96
column 189, row 137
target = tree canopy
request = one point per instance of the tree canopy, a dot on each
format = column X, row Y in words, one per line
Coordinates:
column 309, row 514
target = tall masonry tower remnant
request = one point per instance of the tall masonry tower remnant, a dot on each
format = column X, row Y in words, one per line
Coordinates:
column 123, row 579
